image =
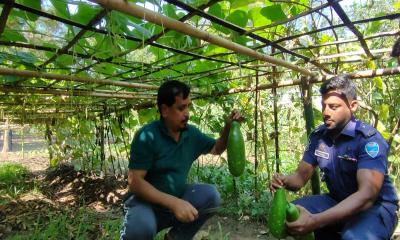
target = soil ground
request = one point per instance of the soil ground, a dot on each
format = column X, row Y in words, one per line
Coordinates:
column 63, row 186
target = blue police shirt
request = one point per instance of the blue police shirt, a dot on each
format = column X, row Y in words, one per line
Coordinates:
column 359, row 146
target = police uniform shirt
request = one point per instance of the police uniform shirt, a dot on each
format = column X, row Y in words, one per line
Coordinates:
column 359, row 146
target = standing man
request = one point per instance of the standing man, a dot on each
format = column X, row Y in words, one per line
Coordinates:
column 162, row 153
column 352, row 156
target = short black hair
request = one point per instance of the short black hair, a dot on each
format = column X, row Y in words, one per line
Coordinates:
column 169, row 90
column 340, row 83
column 396, row 49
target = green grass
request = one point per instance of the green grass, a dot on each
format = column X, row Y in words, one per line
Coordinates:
column 11, row 173
column 14, row 180
column 78, row 224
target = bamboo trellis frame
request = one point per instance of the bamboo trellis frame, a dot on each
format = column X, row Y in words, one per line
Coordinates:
column 161, row 20
column 125, row 82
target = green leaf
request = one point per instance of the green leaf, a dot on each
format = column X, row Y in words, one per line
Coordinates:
column 142, row 32
column 380, row 126
column 237, row 38
column 147, row 115
column 239, row 18
column 384, row 112
column 376, row 95
column 158, row 52
column 373, row 27
column 85, row 13
column 317, row 115
column 396, row 5
column 170, row 11
column 13, row 36
column 274, row 13
column 107, row 69
column 61, row 8
column 325, row 38
column 378, row 82
column 257, row 18
column 65, row 60
column 27, row 58
column 370, row 64
column 242, row 3
column 36, row 4
column 217, row 11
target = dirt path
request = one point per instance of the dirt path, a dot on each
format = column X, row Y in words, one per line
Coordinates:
column 34, row 155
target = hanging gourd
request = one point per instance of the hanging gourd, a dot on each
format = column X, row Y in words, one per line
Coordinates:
column 236, row 150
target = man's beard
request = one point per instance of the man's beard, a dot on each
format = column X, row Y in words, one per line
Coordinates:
column 185, row 127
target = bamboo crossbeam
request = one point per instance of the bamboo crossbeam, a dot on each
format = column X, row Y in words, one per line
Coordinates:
column 232, row 26
column 155, row 37
column 104, row 32
column 288, row 83
column 366, row 74
column 380, row 18
column 57, row 104
column 348, row 54
column 341, row 13
column 61, row 92
column 156, row 18
column 345, row 41
column 4, row 14
column 60, row 77
column 77, row 37
column 243, row 31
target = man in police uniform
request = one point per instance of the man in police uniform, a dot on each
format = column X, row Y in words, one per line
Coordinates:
column 362, row 202
column 162, row 153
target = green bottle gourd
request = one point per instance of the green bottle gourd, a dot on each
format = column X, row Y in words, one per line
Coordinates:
column 292, row 214
column 277, row 214
column 236, row 150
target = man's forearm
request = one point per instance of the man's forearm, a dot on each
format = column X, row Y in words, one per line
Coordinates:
column 220, row 144
column 147, row 192
column 293, row 182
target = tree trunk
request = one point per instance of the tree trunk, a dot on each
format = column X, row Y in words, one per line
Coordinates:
column 7, row 138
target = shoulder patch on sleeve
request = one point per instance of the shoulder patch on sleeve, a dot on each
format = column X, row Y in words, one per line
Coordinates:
column 372, row 149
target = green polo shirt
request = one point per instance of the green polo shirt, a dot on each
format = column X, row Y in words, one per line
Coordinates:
column 167, row 162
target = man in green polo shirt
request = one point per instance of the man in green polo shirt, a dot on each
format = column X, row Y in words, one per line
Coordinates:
column 162, row 153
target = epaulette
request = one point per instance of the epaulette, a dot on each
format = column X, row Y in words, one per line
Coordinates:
column 366, row 130
column 318, row 129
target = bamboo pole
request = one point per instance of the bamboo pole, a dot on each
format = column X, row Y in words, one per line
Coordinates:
column 276, row 127
column 166, row 22
column 67, row 92
column 257, row 103
column 265, row 145
column 60, row 77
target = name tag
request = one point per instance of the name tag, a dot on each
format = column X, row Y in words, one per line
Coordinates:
column 321, row 154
